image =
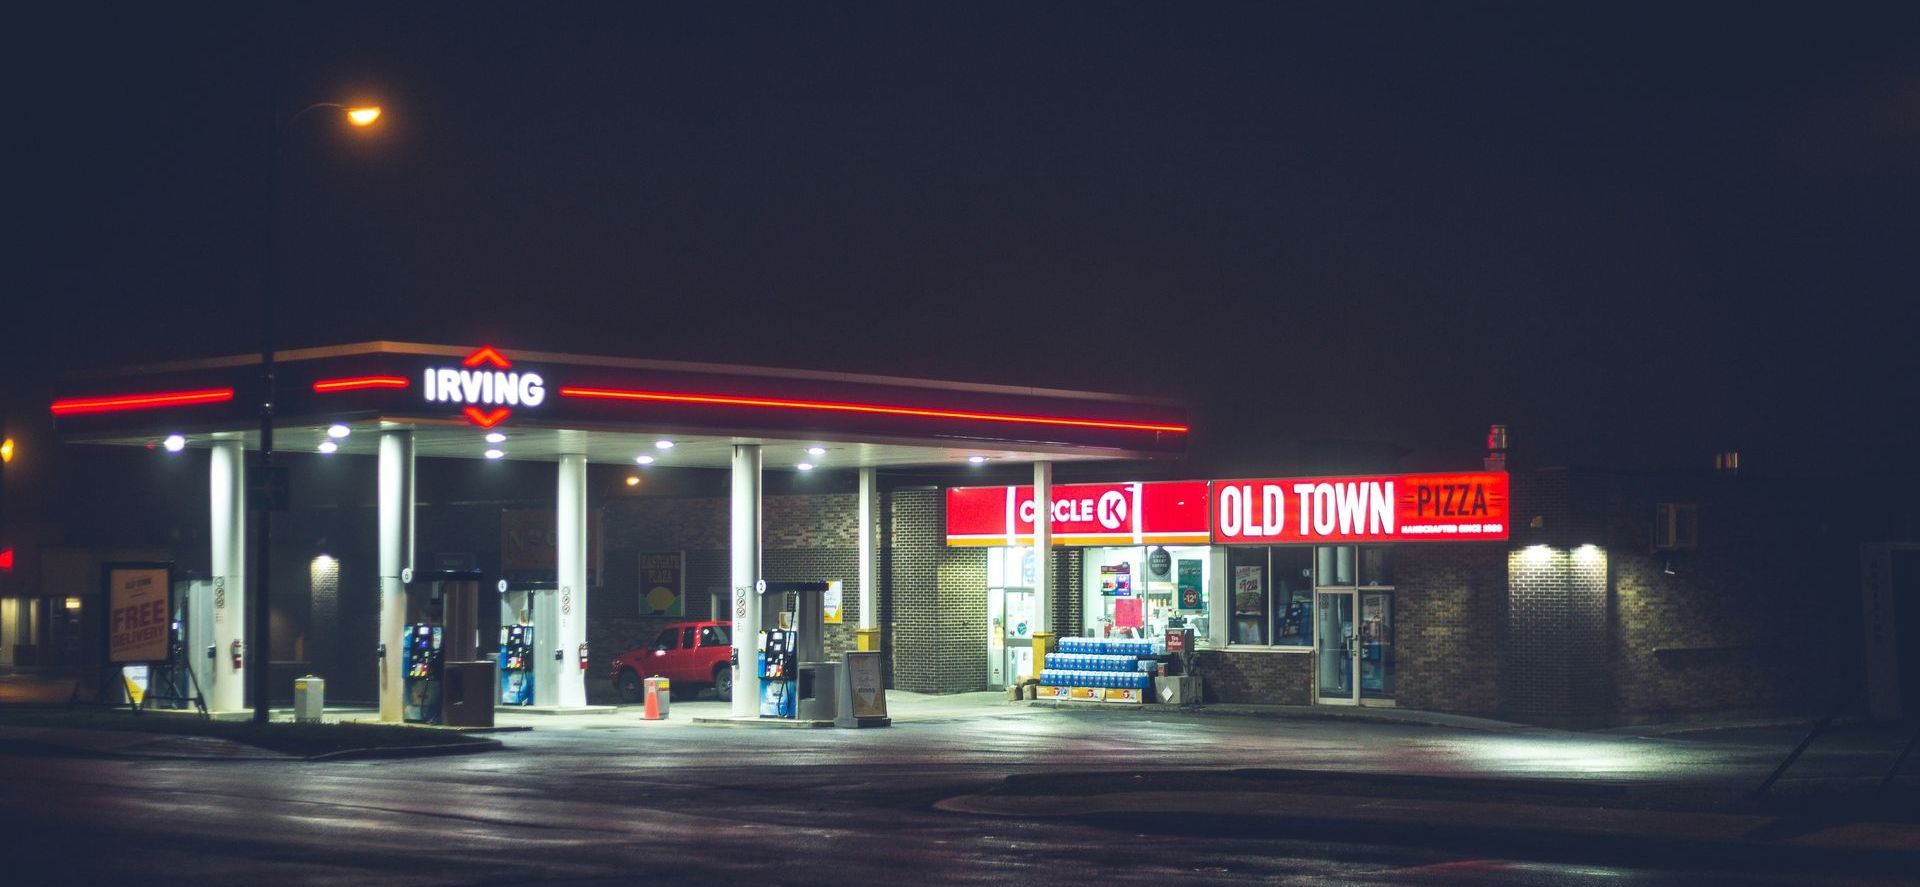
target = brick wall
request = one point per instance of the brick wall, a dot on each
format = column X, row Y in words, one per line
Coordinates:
column 1556, row 630
column 1449, row 607
column 1741, row 623
column 912, row 545
column 1263, row 678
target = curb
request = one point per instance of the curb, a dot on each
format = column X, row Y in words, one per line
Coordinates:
column 408, row 751
column 1486, row 725
column 762, row 723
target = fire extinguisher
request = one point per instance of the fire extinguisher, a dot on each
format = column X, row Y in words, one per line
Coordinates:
column 238, row 651
column 583, row 657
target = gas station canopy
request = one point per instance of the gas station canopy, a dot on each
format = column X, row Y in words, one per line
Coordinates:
column 540, row 406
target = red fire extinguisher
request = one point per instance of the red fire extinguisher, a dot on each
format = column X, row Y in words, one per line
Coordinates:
column 237, row 651
column 583, row 657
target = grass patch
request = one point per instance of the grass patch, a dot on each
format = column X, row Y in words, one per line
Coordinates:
column 288, row 738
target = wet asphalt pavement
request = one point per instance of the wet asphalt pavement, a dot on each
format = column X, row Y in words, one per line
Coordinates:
column 619, row 802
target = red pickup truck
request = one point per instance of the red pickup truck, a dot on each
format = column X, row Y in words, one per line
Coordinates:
column 689, row 654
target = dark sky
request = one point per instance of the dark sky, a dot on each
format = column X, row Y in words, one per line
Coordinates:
column 1636, row 234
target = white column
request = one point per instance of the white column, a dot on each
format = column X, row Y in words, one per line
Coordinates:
column 227, row 690
column 1043, row 544
column 869, row 573
column 396, row 499
column 745, row 546
column 570, row 537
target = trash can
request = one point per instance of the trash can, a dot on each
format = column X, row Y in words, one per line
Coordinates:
column 658, row 696
column 309, row 699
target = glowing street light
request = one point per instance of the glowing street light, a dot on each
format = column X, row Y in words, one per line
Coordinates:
column 364, row 116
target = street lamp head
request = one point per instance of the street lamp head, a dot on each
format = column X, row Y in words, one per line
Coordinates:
column 363, row 116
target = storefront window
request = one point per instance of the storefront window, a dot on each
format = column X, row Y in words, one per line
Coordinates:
column 1272, row 596
column 1142, row 591
column 1249, row 576
column 1293, row 597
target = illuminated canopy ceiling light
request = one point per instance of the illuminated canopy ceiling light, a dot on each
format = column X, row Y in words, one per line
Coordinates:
column 643, row 460
column 337, row 431
column 805, row 466
column 494, row 454
column 816, row 451
column 327, row 446
column 663, row 444
column 174, row 443
column 496, row 437
column 976, row 459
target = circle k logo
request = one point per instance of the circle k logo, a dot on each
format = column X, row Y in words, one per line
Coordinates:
column 1112, row 510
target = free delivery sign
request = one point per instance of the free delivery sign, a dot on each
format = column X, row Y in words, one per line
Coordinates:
column 137, row 617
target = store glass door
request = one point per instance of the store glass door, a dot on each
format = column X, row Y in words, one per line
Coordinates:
column 1015, row 659
column 1376, row 647
column 1336, row 655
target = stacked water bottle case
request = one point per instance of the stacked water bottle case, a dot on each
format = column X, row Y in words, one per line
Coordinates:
column 1100, row 670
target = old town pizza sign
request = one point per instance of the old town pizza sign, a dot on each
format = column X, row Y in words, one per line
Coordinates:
column 1302, row 510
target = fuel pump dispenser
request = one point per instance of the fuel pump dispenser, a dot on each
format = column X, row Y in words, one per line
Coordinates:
column 532, row 662
column 516, row 645
column 445, row 680
column 796, row 680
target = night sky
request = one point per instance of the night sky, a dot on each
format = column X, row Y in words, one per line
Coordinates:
column 1635, row 234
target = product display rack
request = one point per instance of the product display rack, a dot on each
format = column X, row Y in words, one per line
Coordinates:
column 1101, row 670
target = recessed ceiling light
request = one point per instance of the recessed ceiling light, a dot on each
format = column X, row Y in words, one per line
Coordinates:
column 337, row 431
column 663, row 444
column 805, row 466
column 496, row 437
column 174, row 443
column 976, row 459
column 644, row 460
column 327, row 446
column 494, row 454
column 816, row 451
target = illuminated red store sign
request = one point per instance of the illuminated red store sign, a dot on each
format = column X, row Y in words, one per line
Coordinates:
column 1141, row 513
column 1390, row 508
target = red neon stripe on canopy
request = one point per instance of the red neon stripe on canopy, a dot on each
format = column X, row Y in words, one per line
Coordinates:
column 120, row 403
column 357, row 383
column 831, row 406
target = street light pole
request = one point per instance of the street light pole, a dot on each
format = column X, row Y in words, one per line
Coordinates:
column 260, row 623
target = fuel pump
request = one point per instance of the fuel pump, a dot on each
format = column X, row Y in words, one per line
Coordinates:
column 440, row 639
column 795, row 682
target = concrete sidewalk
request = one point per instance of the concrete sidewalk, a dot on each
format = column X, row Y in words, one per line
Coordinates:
column 1414, row 717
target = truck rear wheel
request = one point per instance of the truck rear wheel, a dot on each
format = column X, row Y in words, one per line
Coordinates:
column 723, row 682
column 629, row 685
